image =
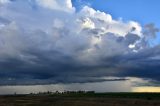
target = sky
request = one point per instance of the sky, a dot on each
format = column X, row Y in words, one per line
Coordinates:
column 138, row 10
column 82, row 42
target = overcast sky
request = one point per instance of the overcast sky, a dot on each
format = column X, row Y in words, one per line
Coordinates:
column 78, row 41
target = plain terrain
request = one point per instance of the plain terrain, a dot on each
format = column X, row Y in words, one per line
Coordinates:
column 82, row 99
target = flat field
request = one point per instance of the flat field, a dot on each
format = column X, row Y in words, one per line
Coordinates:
column 93, row 99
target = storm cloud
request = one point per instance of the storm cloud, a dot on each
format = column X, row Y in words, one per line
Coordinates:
column 46, row 41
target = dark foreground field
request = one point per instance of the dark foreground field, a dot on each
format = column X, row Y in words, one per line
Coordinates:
column 105, row 99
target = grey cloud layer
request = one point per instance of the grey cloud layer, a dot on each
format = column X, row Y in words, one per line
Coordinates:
column 41, row 44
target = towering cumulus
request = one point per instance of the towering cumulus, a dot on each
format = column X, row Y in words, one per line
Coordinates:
column 48, row 41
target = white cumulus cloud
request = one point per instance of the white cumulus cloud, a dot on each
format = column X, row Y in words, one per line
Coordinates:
column 86, row 35
column 64, row 5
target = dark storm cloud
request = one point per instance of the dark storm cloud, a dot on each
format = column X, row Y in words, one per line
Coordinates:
column 48, row 44
column 68, row 70
column 144, row 64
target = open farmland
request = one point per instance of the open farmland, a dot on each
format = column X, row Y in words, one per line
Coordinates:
column 93, row 99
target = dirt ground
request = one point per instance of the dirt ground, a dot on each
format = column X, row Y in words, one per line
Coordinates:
column 74, row 101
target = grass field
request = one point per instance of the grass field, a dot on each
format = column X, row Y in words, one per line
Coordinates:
column 82, row 99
